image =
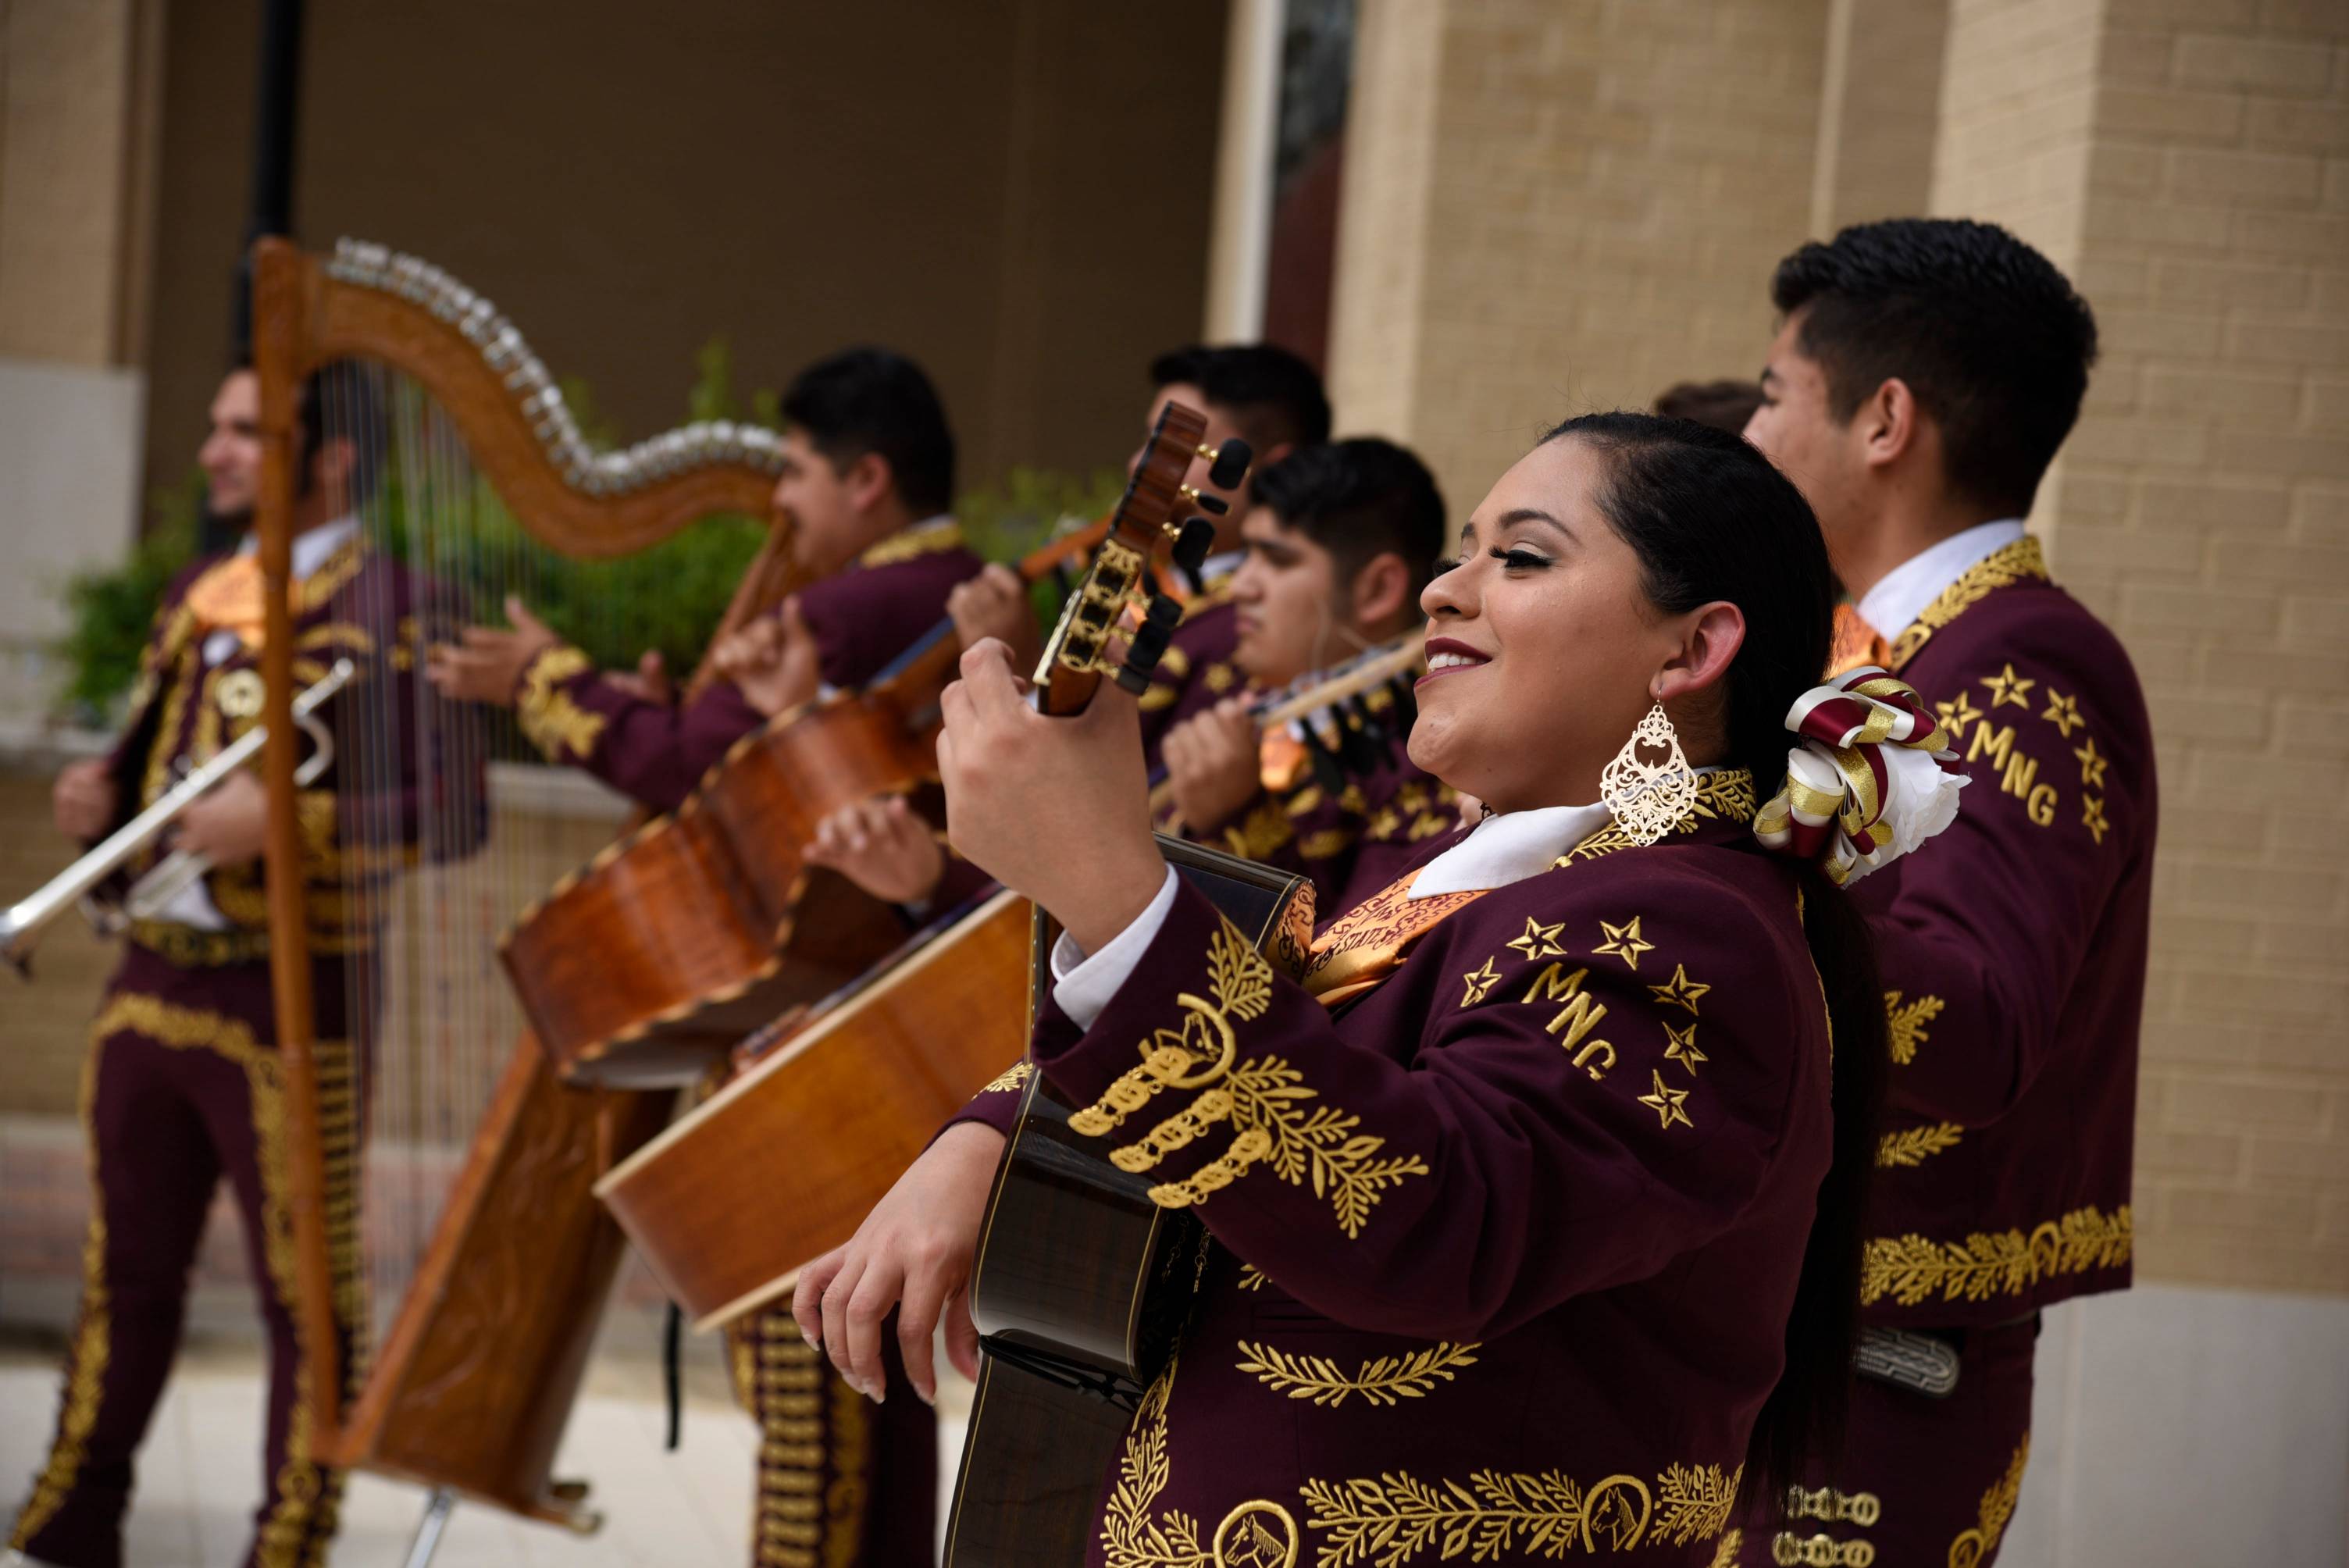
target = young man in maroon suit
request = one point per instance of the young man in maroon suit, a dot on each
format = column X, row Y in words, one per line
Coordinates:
column 1268, row 398
column 868, row 482
column 1337, row 546
column 868, row 477
column 183, row 1087
column 1924, row 376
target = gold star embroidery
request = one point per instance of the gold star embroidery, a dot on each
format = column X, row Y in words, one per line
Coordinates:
column 1384, row 824
column 1680, row 990
column 1623, row 941
column 2063, row 712
column 1539, row 940
column 2092, row 763
column 2008, row 687
column 1479, row 982
column 1669, row 1104
column 1411, row 797
column 1957, row 715
column 1682, row 1049
column 2092, row 817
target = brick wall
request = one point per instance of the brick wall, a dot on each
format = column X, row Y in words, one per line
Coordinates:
column 1589, row 199
column 1879, row 110
column 2203, row 510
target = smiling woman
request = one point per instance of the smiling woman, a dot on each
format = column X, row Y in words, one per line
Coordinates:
column 1535, row 1195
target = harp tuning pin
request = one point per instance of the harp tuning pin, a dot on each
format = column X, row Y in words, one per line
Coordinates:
column 1230, row 463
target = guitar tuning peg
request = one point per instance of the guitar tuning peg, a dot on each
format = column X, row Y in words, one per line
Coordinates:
column 1231, row 464
column 1208, row 504
column 1193, row 543
column 1148, row 644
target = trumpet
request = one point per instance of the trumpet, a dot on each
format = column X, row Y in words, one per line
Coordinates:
column 21, row 924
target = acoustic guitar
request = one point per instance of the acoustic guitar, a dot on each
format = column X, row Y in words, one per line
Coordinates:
column 1082, row 1284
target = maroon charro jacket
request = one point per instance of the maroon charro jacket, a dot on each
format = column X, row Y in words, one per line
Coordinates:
column 2014, row 951
column 1196, row 670
column 1349, row 842
column 382, row 802
column 655, row 753
column 1507, row 1245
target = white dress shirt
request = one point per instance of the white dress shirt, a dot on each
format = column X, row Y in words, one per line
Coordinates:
column 1894, row 603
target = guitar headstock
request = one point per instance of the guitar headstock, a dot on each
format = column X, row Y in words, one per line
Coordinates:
column 1158, row 505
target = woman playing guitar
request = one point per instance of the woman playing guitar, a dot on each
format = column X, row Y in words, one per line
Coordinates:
column 1536, row 1200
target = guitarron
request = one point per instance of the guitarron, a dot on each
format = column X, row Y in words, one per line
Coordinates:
column 449, row 1262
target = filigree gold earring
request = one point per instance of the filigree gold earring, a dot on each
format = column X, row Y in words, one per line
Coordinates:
column 1648, row 798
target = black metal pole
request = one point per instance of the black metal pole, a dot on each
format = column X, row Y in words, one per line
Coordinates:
column 274, row 107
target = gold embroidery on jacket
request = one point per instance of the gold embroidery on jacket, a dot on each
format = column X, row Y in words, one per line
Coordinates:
column 1914, row 1145
column 1258, row 1533
column 1264, row 1100
column 912, row 544
column 1907, row 1024
column 2006, row 687
column 1539, row 940
column 554, row 723
column 1388, row 1520
column 1997, row 1508
column 1251, row 1278
column 1726, row 1554
column 1725, row 796
column 1480, row 982
column 1670, row 1104
column 1256, row 835
column 1623, row 941
column 1385, row 1380
column 2019, row 562
column 1913, row 1268
column 1010, row 1078
column 2092, row 763
column 1680, row 991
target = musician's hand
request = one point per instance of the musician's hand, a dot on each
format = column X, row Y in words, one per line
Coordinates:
column 648, row 682
column 995, row 604
column 1057, row 809
column 230, row 824
column 486, row 664
column 82, row 803
column 880, row 846
column 772, row 660
column 1212, row 763
column 916, row 1248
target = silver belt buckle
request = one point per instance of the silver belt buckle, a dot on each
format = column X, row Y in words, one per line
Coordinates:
column 1907, row 1360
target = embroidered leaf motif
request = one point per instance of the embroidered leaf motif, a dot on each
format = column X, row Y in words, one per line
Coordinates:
column 1906, row 1025
column 1130, row 1537
column 1727, row 796
column 1010, row 1078
column 1387, row 1522
column 1693, row 1501
column 1383, row 1381
column 1238, row 974
column 1914, row 1145
column 1911, row 1269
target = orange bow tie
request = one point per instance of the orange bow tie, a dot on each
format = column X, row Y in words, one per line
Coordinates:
column 228, row 598
column 1856, row 645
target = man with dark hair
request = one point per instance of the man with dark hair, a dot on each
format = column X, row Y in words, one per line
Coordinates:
column 1263, row 395
column 1338, row 542
column 1925, row 373
column 867, row 477
column 183, row 1088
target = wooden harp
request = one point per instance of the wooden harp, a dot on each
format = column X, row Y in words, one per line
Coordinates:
column 449, row 1262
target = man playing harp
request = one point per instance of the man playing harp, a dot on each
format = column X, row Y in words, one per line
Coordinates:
column 183, row 1084
column 867, row 479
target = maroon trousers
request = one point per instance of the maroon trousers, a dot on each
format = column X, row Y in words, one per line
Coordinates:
column 1924, row 1481
column 842, row 1480
column 182, row 1087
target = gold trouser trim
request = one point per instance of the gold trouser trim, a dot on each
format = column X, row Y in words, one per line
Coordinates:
column 801, row 1522
column 304, row 1496
column 92, row 1345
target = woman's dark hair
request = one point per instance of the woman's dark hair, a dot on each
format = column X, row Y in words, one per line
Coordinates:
column 865, row 401
column 1710, row 518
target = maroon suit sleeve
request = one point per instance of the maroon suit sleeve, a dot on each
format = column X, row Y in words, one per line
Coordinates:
column 1982, row 932
column 862, row 619
column 655, row 753
column 1452, row 1167
column 1195, row 673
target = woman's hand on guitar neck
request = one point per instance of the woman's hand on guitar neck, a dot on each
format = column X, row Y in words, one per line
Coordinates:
column 1056, row 809
column 912, row 1255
